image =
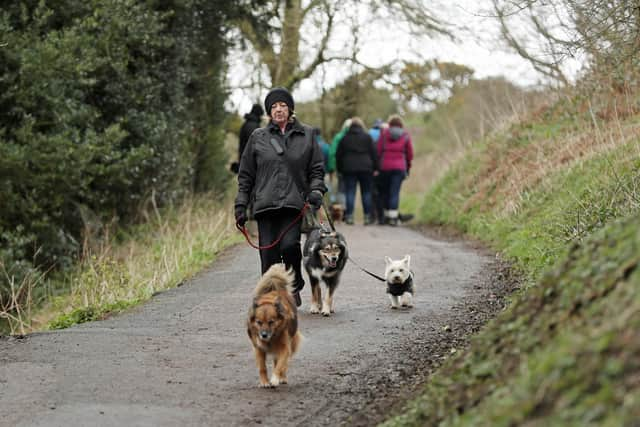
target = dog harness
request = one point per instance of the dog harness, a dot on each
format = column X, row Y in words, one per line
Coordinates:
column 399, row 290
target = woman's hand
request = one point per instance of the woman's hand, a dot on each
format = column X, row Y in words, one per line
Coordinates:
column 315, row 199
column 241, row 215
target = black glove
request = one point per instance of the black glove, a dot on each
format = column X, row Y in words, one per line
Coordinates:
column 315, row 199
column 241, row 215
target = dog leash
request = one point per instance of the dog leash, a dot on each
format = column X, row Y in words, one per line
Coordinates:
column 333, row 228
column 367, row 271
column 326, row 213
column 244, row 231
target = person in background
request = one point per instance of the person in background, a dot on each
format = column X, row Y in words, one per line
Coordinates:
column 278, row 159
column 251, row 122
column 317, row 133
column 374, row 130
column 377, row 213
column 339, row 197
column 395, row 151
column 357, row 161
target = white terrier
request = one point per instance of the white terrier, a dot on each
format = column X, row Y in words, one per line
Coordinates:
column 399, row 281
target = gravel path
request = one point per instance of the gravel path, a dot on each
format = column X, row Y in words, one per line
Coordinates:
column 183, row 358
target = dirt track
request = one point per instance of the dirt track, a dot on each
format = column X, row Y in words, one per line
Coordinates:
column 184, row 358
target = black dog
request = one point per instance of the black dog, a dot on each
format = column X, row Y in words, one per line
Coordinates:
column 325, row 254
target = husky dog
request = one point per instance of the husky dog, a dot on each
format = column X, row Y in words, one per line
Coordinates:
column 325, row 254
column 399, row 280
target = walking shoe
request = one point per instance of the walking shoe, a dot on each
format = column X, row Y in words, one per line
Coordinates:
column 368, row 220
column 296, row 297
column 405, row 217
column 348, row 220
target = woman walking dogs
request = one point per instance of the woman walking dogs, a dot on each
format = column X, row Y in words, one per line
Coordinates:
column 281, row 168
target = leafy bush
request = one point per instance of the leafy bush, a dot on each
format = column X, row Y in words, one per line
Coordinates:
column 103, row 105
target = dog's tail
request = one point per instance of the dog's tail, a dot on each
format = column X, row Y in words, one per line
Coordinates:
column 276, row 278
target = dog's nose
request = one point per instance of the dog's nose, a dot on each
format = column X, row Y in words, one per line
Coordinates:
column 264, row 335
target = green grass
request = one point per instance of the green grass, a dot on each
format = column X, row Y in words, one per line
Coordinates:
column 566, row 352
column 127, row 269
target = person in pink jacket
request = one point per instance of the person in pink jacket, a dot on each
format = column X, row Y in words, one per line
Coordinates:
column 395, row 153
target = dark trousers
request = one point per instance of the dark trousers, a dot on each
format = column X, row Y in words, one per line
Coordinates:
column 351, row 181
column 288, row 251
column 391, row 182
column 376, row 199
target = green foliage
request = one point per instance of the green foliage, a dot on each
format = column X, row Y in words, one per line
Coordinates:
column 88, row 314
column 356, row 96
column 104, row 104
column 557, row 195
column 473, row 111
column 562, row 354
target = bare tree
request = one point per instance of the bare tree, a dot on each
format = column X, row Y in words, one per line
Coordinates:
column 539, row 47
column 287, row 55
column 604, row 32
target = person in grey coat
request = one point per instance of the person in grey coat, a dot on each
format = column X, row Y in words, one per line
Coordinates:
column 273, row 154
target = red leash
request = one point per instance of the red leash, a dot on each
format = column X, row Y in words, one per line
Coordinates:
column 244, row 231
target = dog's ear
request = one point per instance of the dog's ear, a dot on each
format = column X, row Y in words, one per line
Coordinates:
column 387, row 260
column 252, row 310
column 279, row 307
column 343, row 248
column 407, row 259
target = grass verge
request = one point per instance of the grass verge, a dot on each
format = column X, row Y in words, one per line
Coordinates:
column 560, row 199
column 124, row 270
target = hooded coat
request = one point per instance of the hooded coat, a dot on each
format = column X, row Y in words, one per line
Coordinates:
column 395, row 149
column 264, row 175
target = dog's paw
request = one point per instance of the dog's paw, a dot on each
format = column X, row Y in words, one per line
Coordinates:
column 407, row 300
column 276, row 380
column 326, row 313
column 393, row 306
column 314, row 309
column 265, row 385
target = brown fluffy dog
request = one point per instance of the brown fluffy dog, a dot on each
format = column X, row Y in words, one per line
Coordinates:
column 273, row 324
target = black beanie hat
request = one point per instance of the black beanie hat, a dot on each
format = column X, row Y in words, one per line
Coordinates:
column 278, row 94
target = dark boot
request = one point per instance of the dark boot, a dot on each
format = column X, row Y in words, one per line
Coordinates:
column 405, row 217
column 297, row 299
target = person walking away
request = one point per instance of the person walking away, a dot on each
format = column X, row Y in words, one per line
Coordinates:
column 339, row 197
column 278, row 159
column 357, row 161
column 251, row 122
column 378, row 211
column 374, row 130
column 324, row 147
column 395, row 151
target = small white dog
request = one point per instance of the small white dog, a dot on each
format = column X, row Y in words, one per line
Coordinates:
column 399, row 281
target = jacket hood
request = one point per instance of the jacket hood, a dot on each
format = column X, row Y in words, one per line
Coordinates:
column 396, row 132
column 255, row 113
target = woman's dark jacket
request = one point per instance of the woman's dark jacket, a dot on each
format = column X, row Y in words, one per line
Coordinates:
column 264, row 175
column 356, row 152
